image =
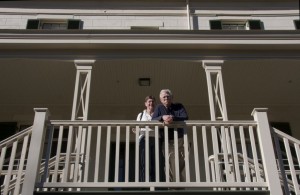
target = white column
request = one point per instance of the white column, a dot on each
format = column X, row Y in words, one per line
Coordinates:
column 267, row 150
column 188, row 13
column 35, row 150
column 216, row 95
column 82, row 89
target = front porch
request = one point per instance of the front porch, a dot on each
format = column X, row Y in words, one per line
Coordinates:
column 101, row 157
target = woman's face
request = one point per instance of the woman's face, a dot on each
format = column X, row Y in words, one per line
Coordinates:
column 150, row 104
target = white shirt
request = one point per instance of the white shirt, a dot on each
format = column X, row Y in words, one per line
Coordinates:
column 145, row 117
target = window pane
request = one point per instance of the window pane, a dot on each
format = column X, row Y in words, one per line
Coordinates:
column 54, row 26
column 234, row 26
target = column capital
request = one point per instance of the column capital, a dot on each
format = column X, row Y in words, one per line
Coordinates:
column 84, row 64
column 46, row 110
column 256, row 110
column 212, row 64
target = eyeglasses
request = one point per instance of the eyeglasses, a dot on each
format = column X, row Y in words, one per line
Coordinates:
column 166, row 97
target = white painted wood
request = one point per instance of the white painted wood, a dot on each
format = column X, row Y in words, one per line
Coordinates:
column 59, row 143
column 225, row 156
column 137, row 153
column 66, row 173
column 205, row 153
column 216, row 154
column 117, row 154
column 86, row 158
column 254, row 154
column 237, row 174
column 186, row 156
column 2, row 158
column 283, row 175
column 188, row 15
column 196, row 156
column 77, row 165
column 157, row 153
column 158, row 184
column 267, row 151
column 10, row 167
column 97, row 157
column 176, row 154
column 107, row 154
column 82, row 89
column 245, row 157
column 291, row 165
column 167, row 165
column 127, row 154
column 211, row 146
column 216, row 93
column 147, row 159
column 35, row 150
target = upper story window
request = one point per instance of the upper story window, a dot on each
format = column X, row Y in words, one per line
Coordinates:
column 297, row 24
column 53, row 24
column 235, row 25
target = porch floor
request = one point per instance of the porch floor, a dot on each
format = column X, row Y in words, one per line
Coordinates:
column 159, row 192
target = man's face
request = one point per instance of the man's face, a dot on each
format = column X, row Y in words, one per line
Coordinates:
column 165, row 98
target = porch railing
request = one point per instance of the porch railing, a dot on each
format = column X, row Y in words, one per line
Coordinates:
column 104, row 155
column 13, row 161
column 288, row 159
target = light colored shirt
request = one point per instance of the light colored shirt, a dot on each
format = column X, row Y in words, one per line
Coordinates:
column 145, row 117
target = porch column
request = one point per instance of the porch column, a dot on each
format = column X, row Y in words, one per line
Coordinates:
column 35, row 150
column 216, row 95
column 267, row 150
column 82, row 89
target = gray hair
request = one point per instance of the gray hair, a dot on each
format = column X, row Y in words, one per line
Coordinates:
column 168, row 91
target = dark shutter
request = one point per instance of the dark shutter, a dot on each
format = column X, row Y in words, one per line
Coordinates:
column 297, row 24
column 33, row 24
column 215, row 24
column 255, row 24
column 74, row 24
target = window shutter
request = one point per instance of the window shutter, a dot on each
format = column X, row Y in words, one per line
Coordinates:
column 255, row 24
column 297, row 24
column 74, row 24
column 215, row 24
column 33, row 24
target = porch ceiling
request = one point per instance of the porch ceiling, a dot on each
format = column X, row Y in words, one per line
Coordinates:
column 115, row 93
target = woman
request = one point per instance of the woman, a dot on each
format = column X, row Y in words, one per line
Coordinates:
column 146, row 115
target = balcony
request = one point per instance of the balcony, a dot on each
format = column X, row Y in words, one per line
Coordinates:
column 220, row 157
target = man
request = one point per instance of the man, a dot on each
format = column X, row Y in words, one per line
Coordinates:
column 167, row 112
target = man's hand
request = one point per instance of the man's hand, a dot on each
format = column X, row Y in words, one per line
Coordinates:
column 167, row 119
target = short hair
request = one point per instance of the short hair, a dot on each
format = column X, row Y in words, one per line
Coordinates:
column 149, row 97
column 168, row 91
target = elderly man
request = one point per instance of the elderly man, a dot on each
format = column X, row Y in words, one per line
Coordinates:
column 167, row 112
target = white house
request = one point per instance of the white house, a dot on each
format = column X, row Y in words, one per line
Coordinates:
column 233, row 64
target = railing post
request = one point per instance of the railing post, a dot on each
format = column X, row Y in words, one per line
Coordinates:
column 35, row 150
column 267, row 150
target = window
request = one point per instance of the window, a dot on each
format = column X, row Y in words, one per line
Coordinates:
column 53, row 24
column 144, row 28
column 297, row 24
column 235, row 25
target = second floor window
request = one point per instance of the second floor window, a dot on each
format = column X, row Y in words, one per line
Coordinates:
column 235, row 25
column 53, row 24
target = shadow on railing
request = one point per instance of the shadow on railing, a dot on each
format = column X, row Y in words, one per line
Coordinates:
column 288, row 160
column 13, row 160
